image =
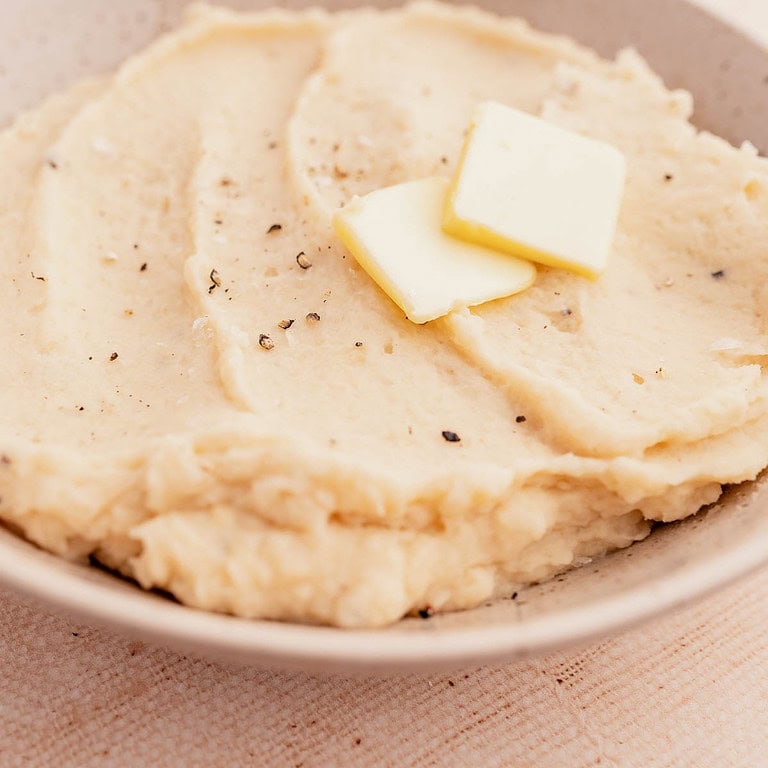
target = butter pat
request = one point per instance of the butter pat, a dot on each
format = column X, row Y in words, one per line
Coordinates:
column 533, row 189
column 395, row 235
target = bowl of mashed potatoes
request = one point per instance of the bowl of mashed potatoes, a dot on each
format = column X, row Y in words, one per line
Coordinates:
column 207, row 399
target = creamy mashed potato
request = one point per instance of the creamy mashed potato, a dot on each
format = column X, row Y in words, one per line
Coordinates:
column 203, row 390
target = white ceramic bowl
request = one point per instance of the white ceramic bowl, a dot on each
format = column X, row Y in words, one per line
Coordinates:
column 44, row 46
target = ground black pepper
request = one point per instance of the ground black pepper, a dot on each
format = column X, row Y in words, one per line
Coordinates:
column 265, row 342
column 451, row 437
column 302, row 260
column 426, row 613
column 113, row 357
column 719, row 275
column 274, row 228
column 313, row 317
column 520, row 419
column 143, row 267
column 215, row 281
column 286, row 324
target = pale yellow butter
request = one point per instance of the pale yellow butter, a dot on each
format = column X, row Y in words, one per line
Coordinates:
column 395, row 235
column 535, row 190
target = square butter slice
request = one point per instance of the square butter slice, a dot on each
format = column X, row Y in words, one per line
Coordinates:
column 395, row 235
column 530, row 188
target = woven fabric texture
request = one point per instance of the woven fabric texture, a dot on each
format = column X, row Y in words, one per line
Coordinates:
column 690, row 689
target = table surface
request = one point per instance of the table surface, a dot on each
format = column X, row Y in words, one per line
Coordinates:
column 690, row 689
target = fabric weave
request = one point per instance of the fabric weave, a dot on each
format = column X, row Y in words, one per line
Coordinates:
column 689, row 689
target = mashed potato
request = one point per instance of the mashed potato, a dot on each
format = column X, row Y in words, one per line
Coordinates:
column 203, row 390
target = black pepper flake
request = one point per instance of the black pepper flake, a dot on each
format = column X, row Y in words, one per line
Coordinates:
column 218, row 222
column 135, row 246
column 668, row 177
column 113, row 357
column 358, row 344
column 215, row 281
column 53, row 164
column 143, row 267
column 451, row 683
column 566, row 312
column 358, row 740
column 513, row 596
column 520, row 419
column 719, row 275
column 225, row 182
column 37, row 277
column 286, row 324
column 313, row 317
column 75, row 634
column 265, row 342
column 274, row 228
column 426, row 613
column 272, row 145
column 5, row 459
column 559, row 680
column 451, row 437
column 444, row 160
column 302, row 260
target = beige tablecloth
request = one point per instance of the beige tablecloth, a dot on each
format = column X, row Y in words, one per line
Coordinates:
column 690, row 689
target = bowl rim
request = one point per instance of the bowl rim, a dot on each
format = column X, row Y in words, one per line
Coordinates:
column 91, row 596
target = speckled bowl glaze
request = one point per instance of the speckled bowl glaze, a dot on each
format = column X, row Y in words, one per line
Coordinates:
column 45, row 46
